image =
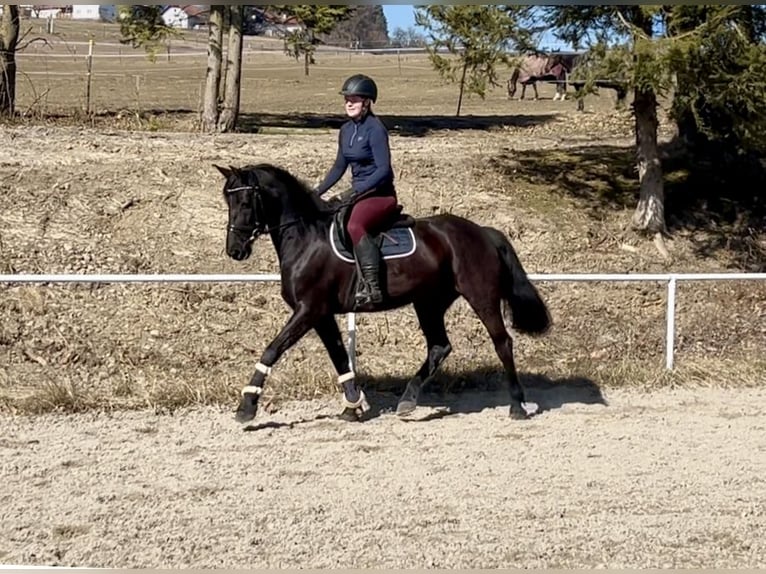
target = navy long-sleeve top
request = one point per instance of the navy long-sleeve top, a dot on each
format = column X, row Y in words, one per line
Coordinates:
column 364, row 146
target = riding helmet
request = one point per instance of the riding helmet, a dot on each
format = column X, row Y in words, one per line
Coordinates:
column 360, row 85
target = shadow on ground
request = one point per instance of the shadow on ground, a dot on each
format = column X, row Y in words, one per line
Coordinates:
column 729, row 207
column 411, row 126
column 403, row 125
column 467, row 392
column 475, row 391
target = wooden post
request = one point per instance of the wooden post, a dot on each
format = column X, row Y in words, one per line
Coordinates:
column 89, row 76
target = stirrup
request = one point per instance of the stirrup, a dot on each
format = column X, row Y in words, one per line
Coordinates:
column 365, row 295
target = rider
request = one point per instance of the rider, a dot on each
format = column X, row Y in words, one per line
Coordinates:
column 363, row 145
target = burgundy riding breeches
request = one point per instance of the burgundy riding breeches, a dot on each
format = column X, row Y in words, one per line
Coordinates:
column 368, row 214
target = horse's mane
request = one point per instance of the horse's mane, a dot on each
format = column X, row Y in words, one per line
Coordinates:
column 302, row 194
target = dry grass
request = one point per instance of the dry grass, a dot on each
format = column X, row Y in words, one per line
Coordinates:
column 127, row 190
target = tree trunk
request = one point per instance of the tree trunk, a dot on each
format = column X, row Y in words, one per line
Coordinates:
column 462, row 89
column 213, row 77
column 9, row 37
column 230, row 111
column 309, row 53
column 688, row 132
column 650, row 212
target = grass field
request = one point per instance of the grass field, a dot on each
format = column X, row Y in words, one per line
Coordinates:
column 131, row 189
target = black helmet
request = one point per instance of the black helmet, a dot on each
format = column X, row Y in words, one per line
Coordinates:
column 360, row 85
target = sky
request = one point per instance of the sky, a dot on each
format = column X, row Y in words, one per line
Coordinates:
column 403, row 16
column 399, row 16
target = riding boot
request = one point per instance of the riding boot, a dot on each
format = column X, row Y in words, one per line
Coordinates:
column 368, row 257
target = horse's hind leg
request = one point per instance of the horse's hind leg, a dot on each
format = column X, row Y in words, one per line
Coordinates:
column 487, row 306
column 431, row 318
column 354, row 400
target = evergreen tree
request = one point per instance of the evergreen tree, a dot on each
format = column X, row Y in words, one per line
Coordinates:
column 142, row 26
column 478, row 38
column 317, row 21
column 718, row 104
column 710, row 57
column 366, row 27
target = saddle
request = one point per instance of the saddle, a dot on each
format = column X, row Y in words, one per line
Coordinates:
column 384, row 236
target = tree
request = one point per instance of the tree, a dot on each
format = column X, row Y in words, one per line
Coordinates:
column 142, row 26
column 366, row 26
column 209, row 120
column 648, row 47
column 9, row 37
column 231, row 96
column 315, row 21
column 721, row 79
column 478, row 38
column 407, row 38
column 623, row 44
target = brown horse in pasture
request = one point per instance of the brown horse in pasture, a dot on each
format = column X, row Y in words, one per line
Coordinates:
column 538, row 67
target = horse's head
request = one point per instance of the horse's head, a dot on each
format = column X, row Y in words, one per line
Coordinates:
column 247, row 200
column 258, row 197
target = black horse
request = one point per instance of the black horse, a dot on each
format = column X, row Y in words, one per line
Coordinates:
column 427, row 262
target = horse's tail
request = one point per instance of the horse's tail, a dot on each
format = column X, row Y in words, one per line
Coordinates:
column 529, row 314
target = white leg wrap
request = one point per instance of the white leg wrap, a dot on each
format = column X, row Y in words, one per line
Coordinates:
column 346, row 378
column 252, row 390
column 263, row 368
column 362, row 404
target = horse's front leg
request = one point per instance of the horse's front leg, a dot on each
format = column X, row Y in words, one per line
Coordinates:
column 353, row 398
column 301, row 321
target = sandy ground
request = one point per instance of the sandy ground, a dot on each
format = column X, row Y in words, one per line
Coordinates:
column 672, row 479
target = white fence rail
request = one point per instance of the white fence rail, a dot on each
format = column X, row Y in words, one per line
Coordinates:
column 672, row 280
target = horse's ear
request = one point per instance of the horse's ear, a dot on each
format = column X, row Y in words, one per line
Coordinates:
column 224, row 171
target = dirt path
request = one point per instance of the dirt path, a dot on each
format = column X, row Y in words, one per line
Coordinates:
column 674, row 478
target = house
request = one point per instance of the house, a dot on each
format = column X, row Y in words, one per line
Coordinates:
column 86, row 12
column 186, row 17
column 46, row 11
column 261, row 22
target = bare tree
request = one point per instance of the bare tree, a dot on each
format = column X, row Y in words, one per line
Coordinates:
column 231, row 97
column 214, row 61
column 9, row 38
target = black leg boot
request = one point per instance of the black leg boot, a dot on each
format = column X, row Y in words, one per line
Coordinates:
column 368, row 257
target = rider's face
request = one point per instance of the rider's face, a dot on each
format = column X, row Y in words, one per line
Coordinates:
column 354, row 106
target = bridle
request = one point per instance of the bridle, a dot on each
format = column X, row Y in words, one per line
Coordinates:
column 260, row 228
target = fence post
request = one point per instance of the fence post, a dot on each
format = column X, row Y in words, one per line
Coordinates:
column 89, row 76
column 670, row 332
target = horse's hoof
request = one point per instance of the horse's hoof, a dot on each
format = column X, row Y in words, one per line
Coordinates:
column 405, row 408
column 519, row 414
column 244, row 415
column 349, row 415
